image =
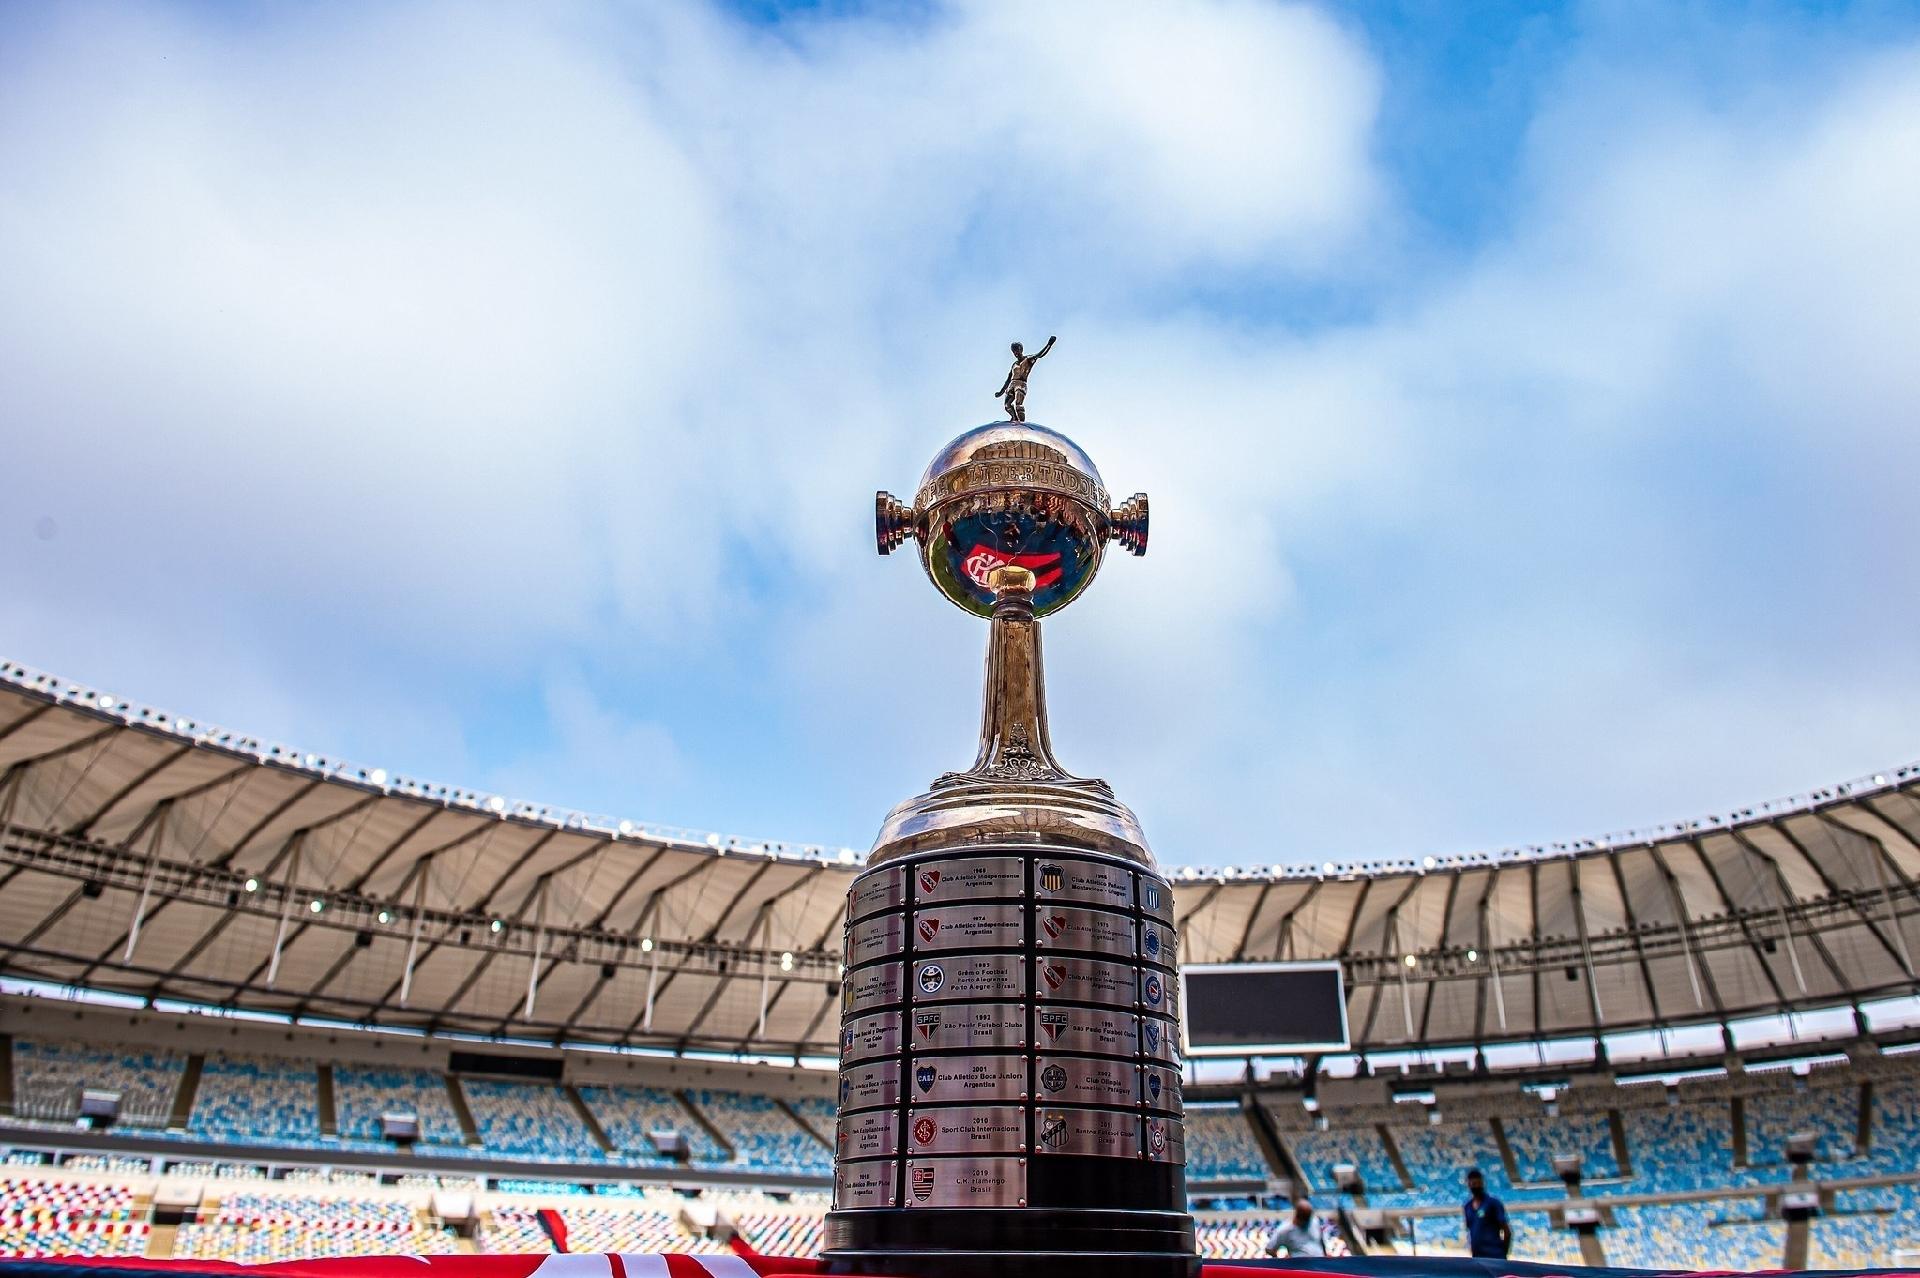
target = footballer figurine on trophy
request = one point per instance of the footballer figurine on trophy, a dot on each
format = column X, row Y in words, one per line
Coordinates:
column 1010, row 1035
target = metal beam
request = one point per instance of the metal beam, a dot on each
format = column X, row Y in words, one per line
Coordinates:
column 86, row 823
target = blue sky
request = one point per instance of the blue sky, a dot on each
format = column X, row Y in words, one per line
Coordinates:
column 1525, row 393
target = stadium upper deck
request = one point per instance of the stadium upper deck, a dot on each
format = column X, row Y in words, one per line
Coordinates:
column 146, row 853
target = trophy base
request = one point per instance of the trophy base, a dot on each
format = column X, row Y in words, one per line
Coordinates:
column 1030, row 1243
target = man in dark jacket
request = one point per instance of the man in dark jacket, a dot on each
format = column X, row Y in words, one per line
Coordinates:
column 1487, row 1232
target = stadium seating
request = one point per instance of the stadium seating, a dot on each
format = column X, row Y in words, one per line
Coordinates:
column 49, row 1073
column 1319, row 1152
column 631, row 1229
column 1238, row 1238
column 1437, row 1156
column 1679, row 1148
column 515, row 1230
column 257, row 1099
column 1831, row 1114
column 527, row 1120
column 628, row 1114
column 53, row 1218
column 778, row 1234
column 362, row 1094
column 763, row 1136
column 1535, row 1139
column 1220, row 1146
column 254, row 1228
column 1711, row 1234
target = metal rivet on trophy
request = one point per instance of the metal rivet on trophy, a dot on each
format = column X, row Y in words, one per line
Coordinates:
column 1010, row 1035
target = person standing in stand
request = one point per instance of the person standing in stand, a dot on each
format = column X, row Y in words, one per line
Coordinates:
column 1488, row 1234
column 1300, row 1234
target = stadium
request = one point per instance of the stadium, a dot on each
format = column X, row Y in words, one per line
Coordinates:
column 264, row 1005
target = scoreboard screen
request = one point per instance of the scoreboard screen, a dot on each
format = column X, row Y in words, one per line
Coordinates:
column 1264, row 1009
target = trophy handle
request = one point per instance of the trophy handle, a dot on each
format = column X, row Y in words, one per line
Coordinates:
column 892, row 522
column 1129, row 521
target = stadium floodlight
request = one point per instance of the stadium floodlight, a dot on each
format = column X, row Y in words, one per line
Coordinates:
column 495, row 927
column 646, row 945
column 1473, row 956
column 252, row 884
column 1567, row 1167
column 316, row 905
column 786, row 961
column 386, row 916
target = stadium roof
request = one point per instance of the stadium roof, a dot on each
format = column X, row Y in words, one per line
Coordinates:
column 151, row 855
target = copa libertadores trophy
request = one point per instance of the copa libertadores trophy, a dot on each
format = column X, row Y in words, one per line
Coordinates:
column 1010, row 1039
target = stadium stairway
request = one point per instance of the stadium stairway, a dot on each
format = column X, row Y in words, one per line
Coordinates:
column 1507, row 1159
column 329, row 1123
column 706, row 1124
column 189, row 1090
column 460, row 1111
column 803, row 1124
column 587, row 1120
column 1617, row 1128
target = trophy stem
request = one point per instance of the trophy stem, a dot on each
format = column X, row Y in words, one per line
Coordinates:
column 1014, row 744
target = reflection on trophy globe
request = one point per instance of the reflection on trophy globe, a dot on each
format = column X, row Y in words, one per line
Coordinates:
column 1011, row 493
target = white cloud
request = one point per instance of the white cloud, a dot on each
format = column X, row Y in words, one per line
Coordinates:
column 370, row 360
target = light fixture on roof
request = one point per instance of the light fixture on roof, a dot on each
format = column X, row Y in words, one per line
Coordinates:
column 1473, row 956
column 497, row 803
column 1429, row 862
column 106, row 702
column 786, row 961
column 1410, row 960
column 378, row 776
column 495, row 926
column 386, row 916
column 252, row 884
column 1326, row 868
column 316, row 905
column 646, row 945
column 626, row 827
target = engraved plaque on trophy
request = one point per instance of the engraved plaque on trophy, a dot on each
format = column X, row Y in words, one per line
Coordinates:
column 1166, row 1140
column 1087, row 1029
column 864, row 1184
column 970, row 1078
column 969, row 976
column 962, row 927
column 969, row 879
column 1159, row 992
column 1160, row 1088
column 975, row 1025
column 866, row 1036
column 881, row 937
column 864, row 1086
column 1072, row 927
column 1089, row 882
column 1097, row 1133
column 1011, row 909
column 1070, row 1080
column 871, row 987
column 967, row 1182
column 877, row 890
column 1159, row 943
column 873, row 1133
column 1082, row 980
column 1159, row 1040
column 967, row 1129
